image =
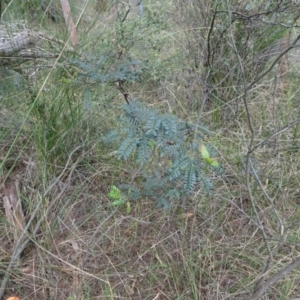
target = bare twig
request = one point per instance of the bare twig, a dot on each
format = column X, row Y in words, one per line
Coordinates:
column 292, row 46
column 283, row 129
column 22, row 40
column 261, row 287
column 13, row 207
column 248, row 165
column 69, row 21
column 272, row 280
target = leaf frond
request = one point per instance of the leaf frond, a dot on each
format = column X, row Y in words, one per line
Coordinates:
column 126, row 148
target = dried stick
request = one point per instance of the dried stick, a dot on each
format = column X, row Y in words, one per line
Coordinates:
column 260, row 286
column 22, row 40
column 283, row 129
column 69, row 21
column 248, row 164
column 271, row 281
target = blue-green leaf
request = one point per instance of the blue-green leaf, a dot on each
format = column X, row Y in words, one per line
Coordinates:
column 126, row 148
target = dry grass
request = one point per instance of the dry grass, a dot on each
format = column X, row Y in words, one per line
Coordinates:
column 212, row 248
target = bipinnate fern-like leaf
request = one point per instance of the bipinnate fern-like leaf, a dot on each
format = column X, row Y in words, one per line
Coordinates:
column 190, row 178
column 153, row 183
column 175, row 150
column 130, row 190
column 144, row 151
column 152, row 125
column 87, row 103
column 162, row 202
column 96, row 70
column 169, row 149
column 136, row 112
column 206, row 184
column 111, row 136
column 178, row 167
column 173, row 194
column 169, row 125
column 127, row 147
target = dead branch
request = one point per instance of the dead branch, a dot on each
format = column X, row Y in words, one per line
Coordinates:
column 271, row 281
column 13, row 207
column 15, row 44
column 20, row 43
column 69, row 21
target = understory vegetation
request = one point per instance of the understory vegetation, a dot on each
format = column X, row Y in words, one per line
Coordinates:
column 157, row 157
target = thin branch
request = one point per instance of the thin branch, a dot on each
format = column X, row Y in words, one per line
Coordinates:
column 211, row 27
column 261, row 287
column 22, row 40
column 271, row 281
column 248, row 165
column 283, row 129
column 69, row 21
column 126, row 14
column 125, row 93
column 292, row 46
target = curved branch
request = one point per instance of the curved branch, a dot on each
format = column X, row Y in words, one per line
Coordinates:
column 271, row 281
column 21, row 41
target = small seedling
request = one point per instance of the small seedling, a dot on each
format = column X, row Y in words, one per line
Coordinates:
column 117, row 198
column 205, row 154
column 116, row 195
column 170, row 164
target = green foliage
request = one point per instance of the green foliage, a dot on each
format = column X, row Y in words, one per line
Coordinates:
column 127, row 52
column 119, row 200
column 31, row 10
column 116, row 195
column 166, row 151
column 57, row 124
column 100, row 70
column 206, row 156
